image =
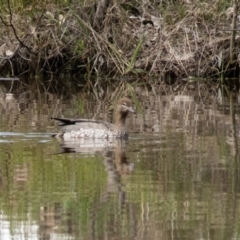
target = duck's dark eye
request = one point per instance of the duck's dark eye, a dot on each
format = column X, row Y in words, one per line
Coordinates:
column 124, row 104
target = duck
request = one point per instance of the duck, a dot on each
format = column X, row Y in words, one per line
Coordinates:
column 73, row 129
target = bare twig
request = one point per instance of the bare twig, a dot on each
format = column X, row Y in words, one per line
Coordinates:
column 14, row 30
column 233, row 35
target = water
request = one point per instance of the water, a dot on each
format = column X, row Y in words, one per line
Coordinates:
column 176, row 178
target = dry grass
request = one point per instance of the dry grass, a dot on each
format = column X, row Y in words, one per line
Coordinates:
column 157, row 39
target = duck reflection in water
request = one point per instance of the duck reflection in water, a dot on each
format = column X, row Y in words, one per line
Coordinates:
column 114, row 151
column 115, row 161
column 116, row 166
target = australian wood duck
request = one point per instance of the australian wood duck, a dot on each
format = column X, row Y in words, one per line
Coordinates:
column 73, row 129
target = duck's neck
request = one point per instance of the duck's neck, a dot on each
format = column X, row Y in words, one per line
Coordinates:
column 120, row 119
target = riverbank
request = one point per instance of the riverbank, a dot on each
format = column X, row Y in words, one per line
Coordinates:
column 166, row 39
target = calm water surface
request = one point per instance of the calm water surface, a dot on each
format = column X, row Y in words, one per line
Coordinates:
column 176, row 178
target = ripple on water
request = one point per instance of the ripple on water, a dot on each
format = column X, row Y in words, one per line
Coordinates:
column 7, row 137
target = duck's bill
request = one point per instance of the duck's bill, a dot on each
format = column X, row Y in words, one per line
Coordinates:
column 131, row 109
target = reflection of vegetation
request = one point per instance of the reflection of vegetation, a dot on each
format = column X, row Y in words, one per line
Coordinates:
column 184, row 178
column 80, row 105
column 31, row 176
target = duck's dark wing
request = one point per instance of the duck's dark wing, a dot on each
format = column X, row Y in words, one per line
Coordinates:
column 70, row 121
column 75, row 124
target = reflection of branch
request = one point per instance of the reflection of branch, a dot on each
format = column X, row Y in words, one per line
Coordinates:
column 233, row 126
column 14, row 30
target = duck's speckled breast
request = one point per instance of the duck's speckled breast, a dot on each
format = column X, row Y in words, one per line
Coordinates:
column 89, row 134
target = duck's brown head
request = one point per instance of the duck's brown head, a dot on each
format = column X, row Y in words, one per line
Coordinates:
column 124, row 106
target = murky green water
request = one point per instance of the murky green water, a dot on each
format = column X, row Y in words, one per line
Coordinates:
column 176, row 178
